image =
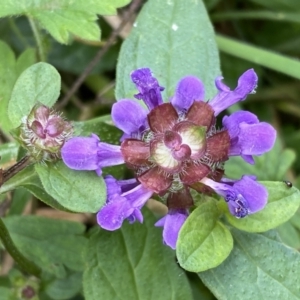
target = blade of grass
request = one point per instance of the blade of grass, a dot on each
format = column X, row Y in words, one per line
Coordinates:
column 266, row 58
column 265, row 15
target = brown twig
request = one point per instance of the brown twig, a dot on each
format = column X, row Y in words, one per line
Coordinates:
column 133, row 7
column 107, row 88
column 4, row 207
column 16, row 168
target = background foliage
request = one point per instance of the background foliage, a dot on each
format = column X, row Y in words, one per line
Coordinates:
column 76, row 259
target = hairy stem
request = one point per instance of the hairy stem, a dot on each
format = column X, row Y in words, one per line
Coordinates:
column 16, row 168
column 25, row 264
column 38, row 39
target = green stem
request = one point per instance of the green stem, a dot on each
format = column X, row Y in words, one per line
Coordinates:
column 17, row 32
column 25, row 264
column 38, row 39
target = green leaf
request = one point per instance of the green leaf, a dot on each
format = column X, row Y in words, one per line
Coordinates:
column 29, row 180
column 200, row 291
column 51, row 244
column 78, row 191
column 289, row 234
column 132, row 263
column 65, row 288
column 266, row 167
column 38, row 84
column 203, row 241
column 63, row 56
column 282, row 204
column 20, row 199
column 25, row 60
column 102, row 127
column 162, row 40
column 5, row 293
column 64, row 18
column 7, row 80
column 259, row 267
column 295, row 220
column 8, row 154
column 269, row 59
column 10, row 69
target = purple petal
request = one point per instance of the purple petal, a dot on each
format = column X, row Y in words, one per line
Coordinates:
column 138, row 196
column 136, row 216
column 225, row 98
column 81, row 153
column 112, row 187
column 244, row 196
column 161, row 222
column 248, row 135
column 88, row 153
column 109, row 155
column 254, row 139
column 120, row 207
column 117, row 187
column 255, row 193
column 232, row 122
column 172, row 223
column 249, row 159
column 188, row 89
column 148, row 87
column 112, row 215
column 130, row 117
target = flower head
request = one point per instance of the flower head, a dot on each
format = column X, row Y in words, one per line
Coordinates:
column 175, row 147
column 43, row 132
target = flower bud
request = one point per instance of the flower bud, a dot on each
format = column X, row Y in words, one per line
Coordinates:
column 43, row 132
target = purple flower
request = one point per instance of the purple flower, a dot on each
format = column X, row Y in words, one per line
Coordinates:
column 88, row 153
column 148, row 87
column 190, row 89
column 172, row 223
column 244, row 196
column 248, row 135
column 124, row 201
column 175, row 147
column 246, row 85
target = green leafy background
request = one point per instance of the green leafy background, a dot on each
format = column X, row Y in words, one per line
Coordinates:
column 64, row 17
column 230, row 258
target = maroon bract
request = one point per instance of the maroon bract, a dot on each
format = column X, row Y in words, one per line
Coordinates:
column 177, row 149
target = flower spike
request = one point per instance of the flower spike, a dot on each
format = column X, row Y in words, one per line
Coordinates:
column 175, row 147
